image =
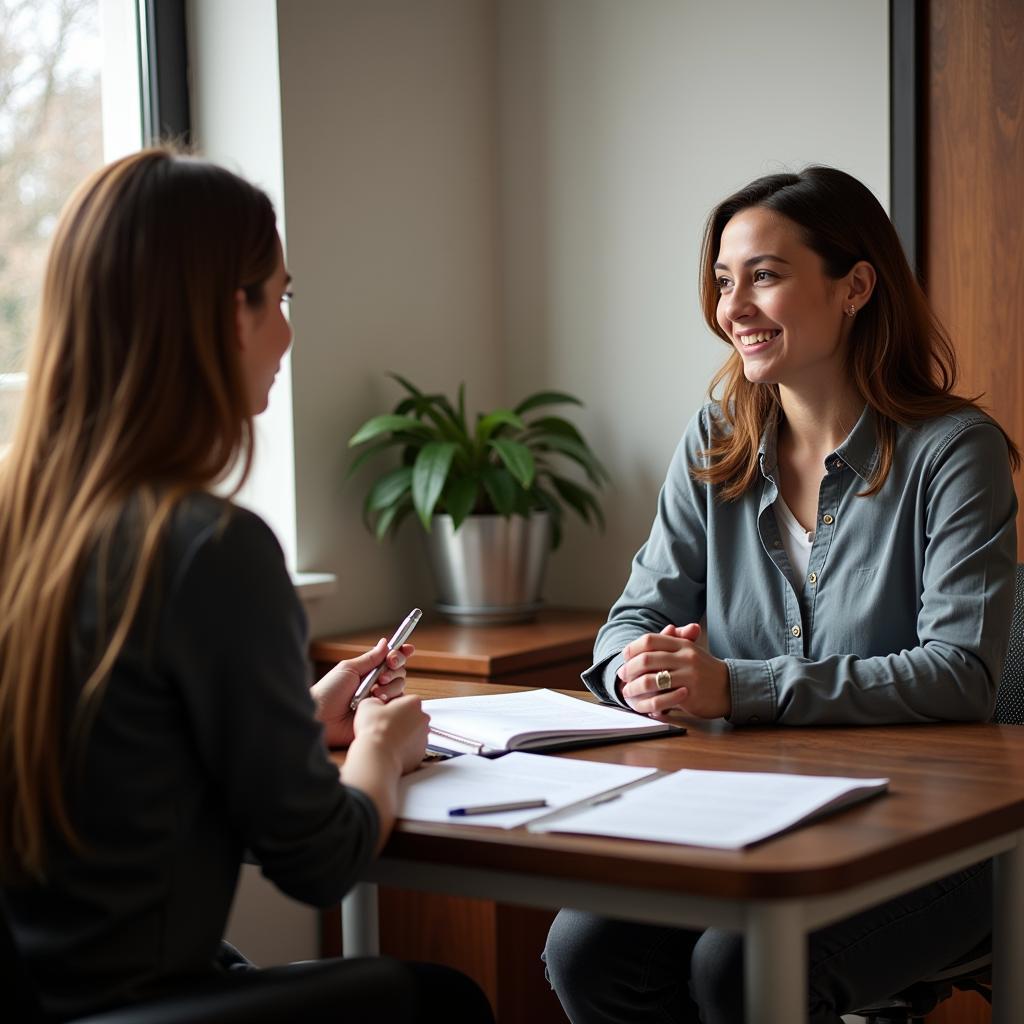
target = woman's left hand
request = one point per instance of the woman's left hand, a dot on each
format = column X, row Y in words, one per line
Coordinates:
column 333, row 693
column 698, row 681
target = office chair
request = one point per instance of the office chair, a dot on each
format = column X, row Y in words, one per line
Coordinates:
column 973, row 972
column 313, row 991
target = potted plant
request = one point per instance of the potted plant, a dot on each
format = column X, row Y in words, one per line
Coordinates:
column 491, row 494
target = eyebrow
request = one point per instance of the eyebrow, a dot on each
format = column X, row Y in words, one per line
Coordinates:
column 754, row 259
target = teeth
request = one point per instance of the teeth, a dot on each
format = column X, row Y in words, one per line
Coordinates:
column 756, row 339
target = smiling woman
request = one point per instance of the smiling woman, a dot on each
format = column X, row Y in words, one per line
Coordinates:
column 837, row 465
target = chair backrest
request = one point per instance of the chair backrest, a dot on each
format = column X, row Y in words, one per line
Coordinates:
column 1010, row 696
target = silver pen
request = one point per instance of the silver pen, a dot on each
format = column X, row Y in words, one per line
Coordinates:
column 402, row 634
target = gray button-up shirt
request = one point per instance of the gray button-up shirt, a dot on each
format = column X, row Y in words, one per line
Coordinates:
column 904, row 613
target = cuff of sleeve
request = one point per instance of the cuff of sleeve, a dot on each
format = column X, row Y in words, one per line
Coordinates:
column 752, row 690
column 600, row 680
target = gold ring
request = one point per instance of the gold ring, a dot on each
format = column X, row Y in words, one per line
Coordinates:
column 663, row 680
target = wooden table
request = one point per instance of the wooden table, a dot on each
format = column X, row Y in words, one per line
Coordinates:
column 956, row 797
column 552, row 650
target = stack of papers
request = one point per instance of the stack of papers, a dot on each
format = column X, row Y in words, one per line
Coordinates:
column 726, row 810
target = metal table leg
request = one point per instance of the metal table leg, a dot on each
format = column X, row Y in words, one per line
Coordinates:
column 775, row 955
column 1008, row 936
column 360, row 935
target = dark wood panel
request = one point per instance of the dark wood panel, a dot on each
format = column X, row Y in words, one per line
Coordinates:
column 973, row 230
column 961, row 1008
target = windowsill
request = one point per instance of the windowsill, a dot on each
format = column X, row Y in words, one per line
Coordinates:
column 312, row 585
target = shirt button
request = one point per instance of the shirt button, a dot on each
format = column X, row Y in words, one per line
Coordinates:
column 795, row 631
column 827, row 519
column 813, row 577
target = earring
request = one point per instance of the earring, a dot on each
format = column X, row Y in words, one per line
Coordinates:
column 851, row 311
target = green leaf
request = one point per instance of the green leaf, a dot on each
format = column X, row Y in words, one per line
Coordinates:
column 501, row 489
column 546, row 398
column 517, row 458
column 428, row 476
column 369, row 453
column 489, row 423
column 554, row 510
column 411, row 388
column 388, row 423
column 389, row 489
column 553, row 425
column 462, row 407
column 578, row 453
column 460, row 498
column 578, row 498
column 391, row 517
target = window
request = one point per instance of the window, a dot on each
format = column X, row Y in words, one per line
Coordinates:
column 69, row 100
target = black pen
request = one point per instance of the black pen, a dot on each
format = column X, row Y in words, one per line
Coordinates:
column 516, row 805
column 400, row 636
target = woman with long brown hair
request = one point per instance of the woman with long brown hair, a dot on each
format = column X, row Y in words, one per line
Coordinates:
column 156, row 720
column 844, row 521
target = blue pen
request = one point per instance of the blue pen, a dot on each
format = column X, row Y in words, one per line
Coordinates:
column 517, row 805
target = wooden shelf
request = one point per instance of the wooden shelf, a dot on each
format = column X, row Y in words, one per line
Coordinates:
column 550, row 651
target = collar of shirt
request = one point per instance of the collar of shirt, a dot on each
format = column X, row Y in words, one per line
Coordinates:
column 859, row 451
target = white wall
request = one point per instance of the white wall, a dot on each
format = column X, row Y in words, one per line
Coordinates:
column 621, row 125
column 390, row 189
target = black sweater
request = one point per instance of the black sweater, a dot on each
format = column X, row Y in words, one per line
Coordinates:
column 205, row 746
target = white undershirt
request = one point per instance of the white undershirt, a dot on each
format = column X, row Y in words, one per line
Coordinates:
column 796, row 540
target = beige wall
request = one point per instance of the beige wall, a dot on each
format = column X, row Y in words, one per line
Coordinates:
column 390, row 190
column 622, row 124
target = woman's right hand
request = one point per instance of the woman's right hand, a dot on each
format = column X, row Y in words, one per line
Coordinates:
column 399, row 726
column 390, row 739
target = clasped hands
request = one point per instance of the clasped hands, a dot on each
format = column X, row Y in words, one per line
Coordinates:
column 698, row 683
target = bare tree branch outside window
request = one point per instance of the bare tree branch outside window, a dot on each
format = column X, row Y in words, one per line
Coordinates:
column 51, row 137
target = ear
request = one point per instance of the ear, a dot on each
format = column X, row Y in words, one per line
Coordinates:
column 243, row 320
column 860, row 284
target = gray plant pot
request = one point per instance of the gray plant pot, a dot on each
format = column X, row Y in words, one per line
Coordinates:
column 491, row 569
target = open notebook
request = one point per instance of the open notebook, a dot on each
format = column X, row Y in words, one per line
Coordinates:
column 491, row 724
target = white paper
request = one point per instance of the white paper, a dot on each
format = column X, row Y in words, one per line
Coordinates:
column 496, row 720
column 430, row 793
column 726, row 810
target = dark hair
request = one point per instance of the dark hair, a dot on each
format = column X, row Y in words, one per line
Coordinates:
column 898, row 354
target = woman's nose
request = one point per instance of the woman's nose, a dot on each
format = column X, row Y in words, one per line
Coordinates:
column 737, row 303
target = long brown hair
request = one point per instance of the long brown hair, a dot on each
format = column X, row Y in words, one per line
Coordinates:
column 898, row 354
column 135, row 395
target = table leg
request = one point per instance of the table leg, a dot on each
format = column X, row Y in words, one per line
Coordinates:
column 1008, row 936
column 360, row 935
column 775, row 955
